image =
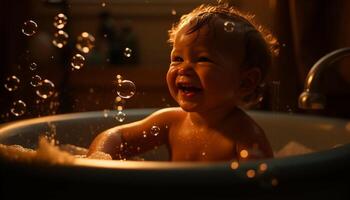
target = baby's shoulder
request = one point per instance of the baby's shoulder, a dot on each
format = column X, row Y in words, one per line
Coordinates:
column 169, row 114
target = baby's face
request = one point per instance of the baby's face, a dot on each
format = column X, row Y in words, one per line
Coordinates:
column 204, row 73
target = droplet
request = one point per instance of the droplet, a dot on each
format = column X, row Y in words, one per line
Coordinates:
column 35, row 80
column 85, row 42
column 119, row 103
column 126, row 89
column 120, row 116
column 229, row 26
column 12, row 83
column 144, row 133
column 173, row 12
column 155, row 130
column 60, row 21
column 45, row 89
column 77, row 61
column 60, row 38
column 29, row 28
column 127, row 52
column 33, row 66
column 18, row 108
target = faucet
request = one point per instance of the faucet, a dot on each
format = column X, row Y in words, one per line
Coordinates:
column 311, row 97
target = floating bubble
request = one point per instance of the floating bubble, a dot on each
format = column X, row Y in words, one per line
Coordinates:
column 35, row 80
column 120, row 116
column 229, row 26
column 263, row 167
column 60, row 21
column 18, row 108
column 29, row 28
column 103, row 4
column 85, row 42
column 60, row 38
column 33, row 66
column 144, row 134
column 45, row 89
column 77, row 61
column 12, row 83
column 119, row 102
column 127, row 52
column 126, row 89
column 155, row 130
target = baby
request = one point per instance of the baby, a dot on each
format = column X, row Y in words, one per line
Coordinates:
column 218, row 61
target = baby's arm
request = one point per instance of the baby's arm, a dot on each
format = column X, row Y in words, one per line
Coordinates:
column 130, row 139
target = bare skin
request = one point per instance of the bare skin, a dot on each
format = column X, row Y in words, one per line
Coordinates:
column 206, row 80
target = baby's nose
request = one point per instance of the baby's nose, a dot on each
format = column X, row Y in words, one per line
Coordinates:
column 186, row 70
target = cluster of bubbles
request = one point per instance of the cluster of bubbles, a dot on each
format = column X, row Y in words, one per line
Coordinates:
column 60, row 36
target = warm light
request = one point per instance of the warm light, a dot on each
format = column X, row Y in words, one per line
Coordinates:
column 120, row 108
column 118, row 99
column 85, row 34
column 234, row 165
column 251, row 173
column 85, row 49
column 263, row 167
column 347, row 126
column 244, row 153
column 274, row 182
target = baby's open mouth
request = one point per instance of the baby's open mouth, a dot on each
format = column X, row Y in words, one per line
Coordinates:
column 188, row 88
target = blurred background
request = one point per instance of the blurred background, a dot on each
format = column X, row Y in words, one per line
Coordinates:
column 42, row 74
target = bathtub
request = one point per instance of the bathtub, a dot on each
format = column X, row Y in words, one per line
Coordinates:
column 319, row 173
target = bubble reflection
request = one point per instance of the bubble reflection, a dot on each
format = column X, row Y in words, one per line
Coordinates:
column 18, row 108
column 126, row 89
column 85, row 42
column 35, row 80
column 45, row 89
column 29, row 28
column 12, row 83
column 60, row 39
column 229, row 26
column 155, row 130
column 120, row 116
column 60, row 21
column 77, row 61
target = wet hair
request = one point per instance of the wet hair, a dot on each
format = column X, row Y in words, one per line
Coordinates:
column 260, row 44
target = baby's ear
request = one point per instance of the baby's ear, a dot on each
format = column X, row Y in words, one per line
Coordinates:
column 249, row 80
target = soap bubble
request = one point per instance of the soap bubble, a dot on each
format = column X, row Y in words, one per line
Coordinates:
column 35, row 80
column 60, row 21
column 29, row 28
column 60, row 38
column 18, row 108
column 33, row 66
column 120, row 116
column 11, row 83
column 77, row 61
column 126, row 89
column 229, row 26
column 85, row 42
column 45, row 89
column 127, row 52
column 155, row 130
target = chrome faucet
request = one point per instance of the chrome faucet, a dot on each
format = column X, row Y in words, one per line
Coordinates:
column 312, row 98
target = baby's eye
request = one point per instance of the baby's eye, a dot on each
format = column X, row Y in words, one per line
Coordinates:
column 204, row 59
column 177, row 59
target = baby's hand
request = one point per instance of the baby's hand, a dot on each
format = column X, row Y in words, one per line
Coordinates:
column 100, row 155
